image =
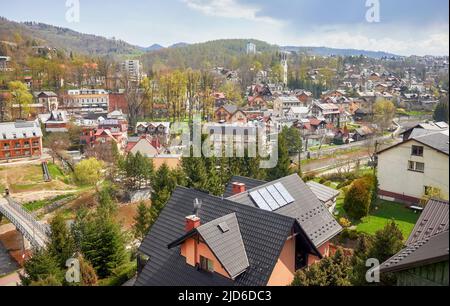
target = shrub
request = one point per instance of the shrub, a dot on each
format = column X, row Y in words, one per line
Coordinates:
column 358, row 199
column 344, row 222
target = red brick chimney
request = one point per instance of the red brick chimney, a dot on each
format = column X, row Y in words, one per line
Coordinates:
column 192, row 222
column 238, row 188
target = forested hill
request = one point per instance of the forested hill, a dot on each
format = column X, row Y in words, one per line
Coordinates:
column 213, row 53
column 64, row 39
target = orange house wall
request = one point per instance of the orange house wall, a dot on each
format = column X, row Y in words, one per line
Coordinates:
column 193, row 257
column 284, row 271
column 324, row 250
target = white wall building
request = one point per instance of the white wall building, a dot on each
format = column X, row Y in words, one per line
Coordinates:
column 415, row 168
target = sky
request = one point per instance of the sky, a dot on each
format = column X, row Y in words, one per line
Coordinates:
column 404, row 27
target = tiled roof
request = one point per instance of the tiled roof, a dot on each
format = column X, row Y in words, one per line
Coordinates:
column 322, row 192
column 428, row 242
column 263, row 234
column 249, row 184
column 312, row 215
column 433, row 220
column 223, row 237
column 424, row 252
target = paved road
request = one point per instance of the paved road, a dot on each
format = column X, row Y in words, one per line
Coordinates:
column 12, row 279
column 7, row 264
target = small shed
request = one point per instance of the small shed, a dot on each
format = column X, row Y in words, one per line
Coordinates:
column 325, row 194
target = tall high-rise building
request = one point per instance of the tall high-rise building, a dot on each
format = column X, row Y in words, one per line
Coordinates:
column 251, row 48
column 133, row 69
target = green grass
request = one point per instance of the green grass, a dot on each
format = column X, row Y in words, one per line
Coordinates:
column 56, row 172
column 36, row 205
column 387, row 211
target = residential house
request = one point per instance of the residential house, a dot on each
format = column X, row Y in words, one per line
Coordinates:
column 4, row 63
column 363, row 133
column 298, row 113
column 282, row 104
column 425, row 259
column 219, row 99
column 21, row 139
column 258, row 102
column 426, row 126
column 55, row 121
column 145, row 145
column 230, row 114
column 48, row 99
column 305, row 97
column 416, row 168
column 154, row 129
column 326, row 111
column 237, row 241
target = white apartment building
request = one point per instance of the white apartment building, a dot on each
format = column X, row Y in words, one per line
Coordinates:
column 85, row 101
column 133, row 69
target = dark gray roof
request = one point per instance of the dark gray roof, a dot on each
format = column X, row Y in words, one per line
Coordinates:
column 435, row 140
column 322, row 192
column 226, row 245
column 312, row 215
column 433, row 220
column 421, row 253
column 263, row 234
column 428, row 242
column 249, row 184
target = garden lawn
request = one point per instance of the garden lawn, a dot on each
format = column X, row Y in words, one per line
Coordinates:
column 387, row 211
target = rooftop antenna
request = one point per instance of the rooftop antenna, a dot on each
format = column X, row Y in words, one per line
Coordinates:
column 197, row 206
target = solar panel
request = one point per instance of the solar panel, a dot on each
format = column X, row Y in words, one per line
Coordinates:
column 260, row 201
column 289, row 199
column 268, row 198
column 277, row 196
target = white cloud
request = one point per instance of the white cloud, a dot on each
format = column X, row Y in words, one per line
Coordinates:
column 230, row 9
column 393, row 39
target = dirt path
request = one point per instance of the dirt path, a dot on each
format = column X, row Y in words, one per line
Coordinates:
column 26, row 197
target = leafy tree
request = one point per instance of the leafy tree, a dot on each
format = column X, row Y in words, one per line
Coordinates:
column 89, row 171
column 358, row 199
column 441, row 111
column 20, row 96
column 56, row 143
column 330, row 271
column 384, row 112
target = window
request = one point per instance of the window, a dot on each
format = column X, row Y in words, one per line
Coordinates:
column 206, row 264
column 415, row 166
column 417, row 151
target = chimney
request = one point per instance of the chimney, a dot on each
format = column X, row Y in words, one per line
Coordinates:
column 194, row 221
column 238, row 188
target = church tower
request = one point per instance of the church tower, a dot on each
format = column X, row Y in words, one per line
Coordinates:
column 284, row 64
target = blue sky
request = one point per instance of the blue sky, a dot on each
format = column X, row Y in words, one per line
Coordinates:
column 406, row 26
